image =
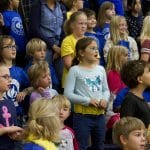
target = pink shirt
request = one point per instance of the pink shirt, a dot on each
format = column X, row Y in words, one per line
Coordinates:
column 114, row 81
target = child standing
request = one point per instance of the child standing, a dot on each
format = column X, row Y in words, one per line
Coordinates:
column 134, row 18
column 117, row 56
column 119, row 36
column 91, row 24
column 106, row 12
column 87, row 88
column 136, row 75
column 40, row 79
column 43, row 127
column 145, row 40
column 67, row 135
column 129, row 134
column 75, row 28
column 13, row 22
column 8, row 119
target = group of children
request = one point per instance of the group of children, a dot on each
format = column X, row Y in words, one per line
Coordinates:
column 100, row 60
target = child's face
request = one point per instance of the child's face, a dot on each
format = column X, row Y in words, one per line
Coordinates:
column 80, row 25
column 122, row 27
column 137, row 6
column 91, row 54
column 124, row 57
column 91, row 22
column 135, row 141
column 110, row 13
column 15, row 4
column 64, row 113
column 9, row 49
column 39, row 55
column 145, row 78
column 5, row 79
column 44, row 80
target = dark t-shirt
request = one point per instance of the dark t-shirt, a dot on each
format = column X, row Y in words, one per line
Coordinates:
column 7, row 118
column 136, row 107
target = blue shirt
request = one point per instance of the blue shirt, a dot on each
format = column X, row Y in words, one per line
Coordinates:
column 20, row 75
column 13, row 21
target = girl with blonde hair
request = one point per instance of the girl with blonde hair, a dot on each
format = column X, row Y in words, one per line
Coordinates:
column 119, row 36
column 117, row 56
column 43, row 126
column 145, row 39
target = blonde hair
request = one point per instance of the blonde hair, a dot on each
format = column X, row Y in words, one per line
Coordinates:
column 114, row 61
column 124, row 127
column 68, row 23
column 114, row 29
column 43, row 120
column 101, row 20
column 61, row 101
column 145, row 34
column 35, row 72
column 35, row 44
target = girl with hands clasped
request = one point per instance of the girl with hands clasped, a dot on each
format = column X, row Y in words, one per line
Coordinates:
column 86, row 87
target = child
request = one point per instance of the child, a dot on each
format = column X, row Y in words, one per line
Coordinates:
column 73, row 6
column 13, row 22
column 7, row 58
column 86, row 87
column 91, row 24
column 117, row 56
column 67, row 135
column 36, row 51
column 106, row 12
column 43, row 126
column 136, row 75
column 134, row 18
column 9, row 132
column 129, row 134
column 119, row 36
column 40, row 79
column 145, row 40
column 75, row 28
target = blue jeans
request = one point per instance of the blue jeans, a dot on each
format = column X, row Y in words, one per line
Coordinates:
column 89, row 125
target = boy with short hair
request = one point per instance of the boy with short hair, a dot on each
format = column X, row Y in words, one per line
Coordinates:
column 67, row 135
column 136, row 75
column 129, row 133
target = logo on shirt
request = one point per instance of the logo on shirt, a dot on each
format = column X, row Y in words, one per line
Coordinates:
column 17, row 26
column 93, row 84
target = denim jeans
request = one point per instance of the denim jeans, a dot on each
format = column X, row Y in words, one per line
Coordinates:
column 89, row 125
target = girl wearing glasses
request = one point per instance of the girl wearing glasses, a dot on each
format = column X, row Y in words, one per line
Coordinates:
column 86, row 87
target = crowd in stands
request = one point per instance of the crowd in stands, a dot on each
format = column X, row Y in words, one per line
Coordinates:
column 74, row 74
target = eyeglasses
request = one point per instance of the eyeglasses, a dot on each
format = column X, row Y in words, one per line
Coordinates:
column 7, row 77
column 10, row 46
column 93, row 48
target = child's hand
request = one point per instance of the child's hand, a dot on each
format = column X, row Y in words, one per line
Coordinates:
column 94, row 102
column 40, row 89
column 20, row 96
column 103, row 103
column 16, row 135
